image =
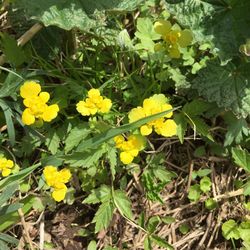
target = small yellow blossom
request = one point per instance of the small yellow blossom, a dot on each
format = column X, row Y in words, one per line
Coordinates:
column 173, row 38
column 94, row 103
column 6, row 166
column 153, row 105
column 129, row 148
column 35, row 102
column 57, row 180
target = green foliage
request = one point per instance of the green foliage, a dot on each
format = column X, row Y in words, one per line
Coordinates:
column 241, row 158
column 228, row 86
column 194, row 193
column 122, row 203
column 74, row 14
column 205, row 184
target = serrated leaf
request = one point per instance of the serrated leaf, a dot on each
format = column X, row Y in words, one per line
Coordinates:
column 228, row 86
column 103, row 216
column 201, row 127
column 180, row 80
column 73, row 14
column 122, row 203
column 230, row 230
column 241, row 158
column 101, row 194
column 76, row 135
column 112, row 158
column 163, row 174
column 196, row 107
column 84, row 159
column 181, row 122
column 14, row 54
column 52, row 141
column 145, row 29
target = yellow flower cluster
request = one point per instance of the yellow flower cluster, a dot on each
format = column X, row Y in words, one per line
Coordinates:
column 129, row 148
column 173, row 38
column 57, row 180
column 35, row 102
column 6, row 166
column 153, row 105
column 93, row 104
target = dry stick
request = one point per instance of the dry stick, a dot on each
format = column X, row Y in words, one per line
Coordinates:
column 24, row 38
column 26, row 230
column 41, row 232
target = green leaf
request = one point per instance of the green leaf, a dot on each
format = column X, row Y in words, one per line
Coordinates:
column 92, row 245
column 7, row 193
column 84, row 159
column 201, row 127
column 80, row 14
column 163, row 174
column 122, row 203
column 76, row 135
column 103, row 216
column 8, row 117
column 230, row 230
column 14, row 54
column 112, row 158
column 244, row 230
column 241, row 158
column 181, row 122
column 168, row 219
column 205, row 184
column 145, row 29
column 148, row 243
column 194, row 193
column 228, row 86
column 180, row 80
column 9, row 239
column 196, row 107
column 7, row 209
column 161, row 242
column 103, row 137
column 101, row 194
column 18, row 176
column 3, row 245
column 152, row 224
column 52, row 141
column 184, row 228
column 210, row 204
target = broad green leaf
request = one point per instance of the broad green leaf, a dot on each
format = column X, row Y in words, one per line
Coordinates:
column 244, row 230
column 92, row 245
column 7, row 209
column 52, row 141
column 3, row 245
column 76, row 135
column 7, row 193
column 122, row 203
column 103, row 137
column 161, row 242
column 84, row 159
column 101, row 194
column 228, row 86
column 14, row 54
column 18, row 176
column 230, row 230
column 194, row 193
column 241, row 158
column 145, row 29
column 205, row 184
column 103, row 216
column 80, row 14
column 196, row 107
column 201, row 127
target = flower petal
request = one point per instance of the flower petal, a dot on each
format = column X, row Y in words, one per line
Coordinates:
column 185, row 38
column 27, row 117
column 126, row 158
column 44, row 96
column 59, row 194
column 6, row 172
column 29, row 89
column 105, row 105
column 146, row 130
column 50, row 112
column 162, row 27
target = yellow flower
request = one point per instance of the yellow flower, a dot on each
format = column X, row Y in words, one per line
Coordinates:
column 129, row 148
column 6, row 166
column 173, row 38
column 153, row 105
column 93, row 104
column 35, row 102
column 57, row 180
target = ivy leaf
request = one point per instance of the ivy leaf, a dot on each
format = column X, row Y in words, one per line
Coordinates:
column 205, row 184
column 103, row 216
column 123, row 203
column 228, row 86
column 194, row 193
column 241, row 158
